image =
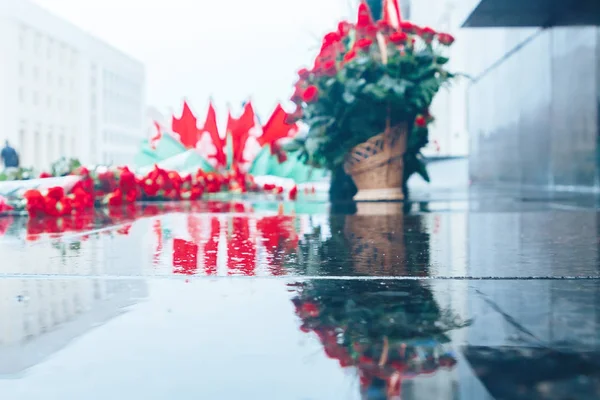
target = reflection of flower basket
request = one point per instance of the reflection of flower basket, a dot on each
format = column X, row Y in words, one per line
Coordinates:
column 377, row 165
column 376, row 240
column 388, row 330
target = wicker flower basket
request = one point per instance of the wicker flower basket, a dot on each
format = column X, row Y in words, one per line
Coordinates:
column 377, row 165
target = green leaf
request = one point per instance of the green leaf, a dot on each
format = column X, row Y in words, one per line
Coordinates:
column 442, row 60
column 292, row 146
column 349, row 98
column 374, row 91
column 422, row 169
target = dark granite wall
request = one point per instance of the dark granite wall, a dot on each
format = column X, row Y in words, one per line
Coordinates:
column 533, row 111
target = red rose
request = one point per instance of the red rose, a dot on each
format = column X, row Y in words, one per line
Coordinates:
column 398, row 37
column 383, row 25
column 331, row 38
column 407, row 26
column 115, row 198
column 329, row 68
column 56, row 193
column 310, row 94
column 127, row 180
column 364, row 44
column 131, row 196
column 445, row 38
column 344, row 28
column 420, row 121
column 303, row 73
column 294, row 193
column 427, row 33
column 349, row 56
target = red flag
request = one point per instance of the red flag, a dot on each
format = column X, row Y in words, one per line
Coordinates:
column 186, row 127
column 277, row 127
column 158, row 134
column 239, row 129
column 391, row 13
column 210, row 127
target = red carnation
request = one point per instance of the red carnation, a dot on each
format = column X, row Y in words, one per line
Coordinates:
column 364, row 44
column 420, row 121
column 329, row 68
column 399, row 37
column 445, row 39
column 344, row 28
column 349, row 56
column 294, row 193
column 310, row 94
column 407, row 26
column 303, row 73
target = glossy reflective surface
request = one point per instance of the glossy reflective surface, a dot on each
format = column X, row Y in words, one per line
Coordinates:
column 464, row 295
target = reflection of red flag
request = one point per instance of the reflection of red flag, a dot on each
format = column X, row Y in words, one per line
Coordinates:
column 157, row 135
column 210, row 127
column 159, row 242
column 239, row 129
column 391, row 13
column 185, row 257
column 211, row 248
column 186, row 127
column 277, row 127
column 241, row 252
column 278, row 237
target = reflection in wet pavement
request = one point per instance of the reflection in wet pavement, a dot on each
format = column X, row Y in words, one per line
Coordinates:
column 301, row 301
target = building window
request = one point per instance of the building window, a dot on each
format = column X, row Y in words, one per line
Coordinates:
column 49, row 49
column 36, row 72
column 61, row 145
column 50, row 148
column 21, row 69
column 49, row 101
column 36, row 147
column 22, row 94
column 37, row 44
column 36, row 98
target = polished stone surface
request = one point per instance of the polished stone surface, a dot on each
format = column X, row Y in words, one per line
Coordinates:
column 466, row 294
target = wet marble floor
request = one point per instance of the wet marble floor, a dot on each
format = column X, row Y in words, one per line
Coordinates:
column 478, row 294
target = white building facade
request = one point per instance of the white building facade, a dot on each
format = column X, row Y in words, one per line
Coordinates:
column 448, row 135
column 64, row 92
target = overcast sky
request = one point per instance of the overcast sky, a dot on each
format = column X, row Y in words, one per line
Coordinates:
column 228, row 49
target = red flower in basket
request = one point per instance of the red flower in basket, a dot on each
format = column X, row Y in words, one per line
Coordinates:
column 349, row 56
column 329, row 68
column 45, row 175
column 409, row 27
column 363, row 44
column 420, row 121
column 398, row 37
column 427, row 33
column 445, row 39
column 344, row 28
column 56, row 193
column 310, row 94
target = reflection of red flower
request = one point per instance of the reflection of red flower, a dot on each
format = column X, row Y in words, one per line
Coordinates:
column 185, row 257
